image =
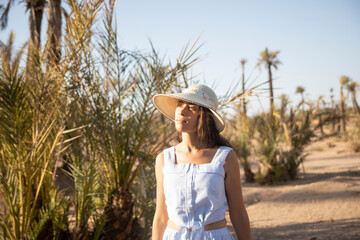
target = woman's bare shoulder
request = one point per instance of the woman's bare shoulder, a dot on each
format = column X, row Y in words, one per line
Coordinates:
column 159, row 165
column 231, row 161
column 160, row 158
column 178, row 146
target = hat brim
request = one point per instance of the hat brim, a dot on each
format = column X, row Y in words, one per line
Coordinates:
column 167, row 103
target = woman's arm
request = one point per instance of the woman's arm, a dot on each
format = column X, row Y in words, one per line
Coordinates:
column 238, row 215
column 161, row 216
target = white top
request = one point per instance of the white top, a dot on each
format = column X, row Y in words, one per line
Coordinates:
column 195, row 194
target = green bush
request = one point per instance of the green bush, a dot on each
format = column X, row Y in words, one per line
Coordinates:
column 354, row 136
column 281, row 149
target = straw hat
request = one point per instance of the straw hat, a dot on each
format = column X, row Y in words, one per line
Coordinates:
column 198, row 94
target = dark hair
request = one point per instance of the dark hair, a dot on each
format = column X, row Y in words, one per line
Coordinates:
column 207, row 132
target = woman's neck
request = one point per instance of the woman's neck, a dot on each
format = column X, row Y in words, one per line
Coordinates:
column 190, row 142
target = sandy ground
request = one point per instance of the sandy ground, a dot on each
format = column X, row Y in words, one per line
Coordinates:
column 324, row 203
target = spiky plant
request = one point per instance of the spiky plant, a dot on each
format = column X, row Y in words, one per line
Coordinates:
column 239, row 133
column 242, row 146
column 30, row 133
column 300, row 136
column 127, row 148
column 281, row 146
column 269, row 139
column 100, row 97
column 284, row 101
column 109, row 92
column 354, row 136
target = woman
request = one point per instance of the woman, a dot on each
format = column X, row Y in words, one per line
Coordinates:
column 198, row 178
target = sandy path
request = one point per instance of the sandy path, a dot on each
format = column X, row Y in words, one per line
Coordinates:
column 324, row 203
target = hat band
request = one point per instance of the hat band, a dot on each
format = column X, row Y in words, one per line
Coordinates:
column 194, row 98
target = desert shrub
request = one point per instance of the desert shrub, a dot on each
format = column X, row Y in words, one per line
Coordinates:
column 354, row 136
column 269, row 138
column 31, row 137
column 280, row 149
column 241, row 143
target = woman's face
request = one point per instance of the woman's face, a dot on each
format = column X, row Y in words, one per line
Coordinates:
column 186, row 117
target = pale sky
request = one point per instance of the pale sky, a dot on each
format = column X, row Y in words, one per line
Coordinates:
column 319, row 40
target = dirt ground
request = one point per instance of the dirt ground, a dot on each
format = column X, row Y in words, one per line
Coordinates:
column 324, row 203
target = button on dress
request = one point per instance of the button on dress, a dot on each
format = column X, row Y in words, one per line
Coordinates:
column 195, row 197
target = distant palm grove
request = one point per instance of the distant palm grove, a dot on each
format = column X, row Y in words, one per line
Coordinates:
column 79, row 134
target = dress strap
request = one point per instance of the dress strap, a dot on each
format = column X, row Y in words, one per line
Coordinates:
column 222, row 154
column 169, row 156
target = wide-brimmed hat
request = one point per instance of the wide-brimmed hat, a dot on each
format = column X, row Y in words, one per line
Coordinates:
column 198, row 94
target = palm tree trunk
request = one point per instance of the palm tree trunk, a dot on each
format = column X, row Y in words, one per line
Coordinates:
column 54, row 32
column 321, row 126
column 292, row 119
column 342, row 111
column 271, row 89
column 303, row 103
column 355, row 104
column 120, row 223
column 243, row 91
column 338, row 121
column 249, row 175
column 36, row 9
column 333, row 119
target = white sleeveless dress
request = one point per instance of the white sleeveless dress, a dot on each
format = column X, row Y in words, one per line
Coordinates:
column 195, row 196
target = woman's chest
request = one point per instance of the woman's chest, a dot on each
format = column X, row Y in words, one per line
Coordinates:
column 203, row 157
column 185, row 188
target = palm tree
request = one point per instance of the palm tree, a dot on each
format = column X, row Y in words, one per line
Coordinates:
column 351, row 87
column 333, row 110
column 269, row 59
column 243, row 102
column 6, row 51
column 343, row 81
column 28, row 138
column 54, row 32
column 301, row 90
column 4, row 13
column 36, row 9
column 319, row 114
